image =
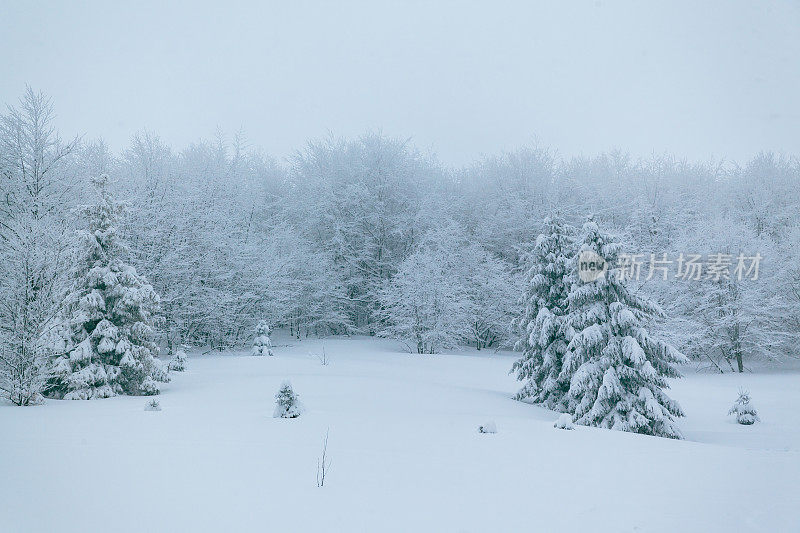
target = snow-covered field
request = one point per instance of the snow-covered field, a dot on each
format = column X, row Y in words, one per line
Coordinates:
column 404, row 448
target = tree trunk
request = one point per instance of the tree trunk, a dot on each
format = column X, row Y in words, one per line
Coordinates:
column 737, row 349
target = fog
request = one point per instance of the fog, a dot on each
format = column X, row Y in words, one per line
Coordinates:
column 718, row 80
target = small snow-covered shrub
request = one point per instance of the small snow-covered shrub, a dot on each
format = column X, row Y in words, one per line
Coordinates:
column 262, row 345
column 287, row 404
column 744, row 410
column 149, row 387
column 23, row 376
column 178, row 363
column 152, row 405
column 22, row 396
column 564, row 422
column 488, row 427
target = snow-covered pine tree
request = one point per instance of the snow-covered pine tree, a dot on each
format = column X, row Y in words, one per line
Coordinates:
column 617, row 371
column 745, row 412
column 287, row 405
column 542, row 326
column 262, row 345
column 107, row 325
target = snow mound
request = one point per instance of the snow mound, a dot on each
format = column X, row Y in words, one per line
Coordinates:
column 564, row 422
column 488, row 427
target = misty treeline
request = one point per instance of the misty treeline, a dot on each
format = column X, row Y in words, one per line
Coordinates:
column 372, row 236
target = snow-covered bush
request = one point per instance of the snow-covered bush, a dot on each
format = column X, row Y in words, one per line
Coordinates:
column 107, row 323
column 287, row 404
column 564, row 422
column 152, row 405
column 178, row 362
column 745, row 412
column 488, row 427
column 616, row 369
column 262, row 345
column 543, row 327
column 23, row 376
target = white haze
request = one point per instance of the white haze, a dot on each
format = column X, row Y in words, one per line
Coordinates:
column 714, row 80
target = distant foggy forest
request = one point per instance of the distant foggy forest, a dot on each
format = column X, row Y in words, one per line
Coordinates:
column 356, row 235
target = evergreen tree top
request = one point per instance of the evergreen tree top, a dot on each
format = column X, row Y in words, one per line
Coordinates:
column 104, row 215
column 744, row 397
column 263, row 328
column 610, row 287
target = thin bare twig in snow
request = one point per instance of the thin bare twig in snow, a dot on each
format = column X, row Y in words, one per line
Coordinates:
column 324, row 464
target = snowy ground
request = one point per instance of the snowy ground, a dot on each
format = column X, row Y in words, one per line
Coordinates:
column 405, row 451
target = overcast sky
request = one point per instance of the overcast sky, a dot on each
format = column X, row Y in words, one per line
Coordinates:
column 695, row 79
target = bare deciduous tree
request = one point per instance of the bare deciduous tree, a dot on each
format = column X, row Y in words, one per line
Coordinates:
column 34, row 241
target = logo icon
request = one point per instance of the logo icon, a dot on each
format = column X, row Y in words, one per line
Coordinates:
column 591, row 266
